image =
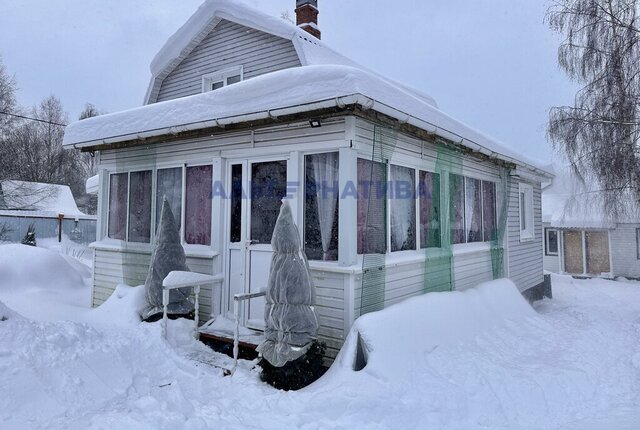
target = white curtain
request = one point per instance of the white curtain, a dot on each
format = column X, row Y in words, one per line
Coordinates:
column 402, row 207
column 325, row 172
column 473, row 212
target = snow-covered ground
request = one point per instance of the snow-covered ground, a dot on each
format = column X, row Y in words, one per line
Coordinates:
column 480, row 359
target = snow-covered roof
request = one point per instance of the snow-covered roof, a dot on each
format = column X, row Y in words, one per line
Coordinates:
column 326, row 80
column 569, row 202
column 37, row 199
column 288, row 91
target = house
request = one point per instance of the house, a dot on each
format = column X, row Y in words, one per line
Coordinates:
column 393, row 197
column 581, row 237
column 24, row 203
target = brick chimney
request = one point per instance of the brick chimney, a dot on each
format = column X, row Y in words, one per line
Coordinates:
column 307, row 16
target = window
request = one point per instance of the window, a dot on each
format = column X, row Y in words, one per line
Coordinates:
column 638, row 243
column 235, row 235
column 268, row 188
column 169, row 186
column 472, row 210
column 140, row 207
column 372, row 208
column 321, row 206
column 489, row 222
column 456, row 208
column 197, row 214
column 118, row 191
column 403, row 208
column 429, row 192
column 526, row 211
column 551, row 242
column 131, row 198
column 217, row 80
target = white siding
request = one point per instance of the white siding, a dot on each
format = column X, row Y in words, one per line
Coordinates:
column 112, row 268
column 524, row 258
column 551, row 263
column 330, row 308
column 228, row 45
column 279, row 139
column 623, row 251
column 472, row 268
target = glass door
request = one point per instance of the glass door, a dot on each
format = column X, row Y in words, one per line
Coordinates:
column 256, row 193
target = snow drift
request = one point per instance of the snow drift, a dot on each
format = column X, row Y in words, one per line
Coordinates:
column 23, row 267
column 391, row 339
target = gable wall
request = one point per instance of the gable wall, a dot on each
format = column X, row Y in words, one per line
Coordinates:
column 228, row 45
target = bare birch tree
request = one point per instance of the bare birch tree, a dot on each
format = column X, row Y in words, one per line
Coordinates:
column 600, row 133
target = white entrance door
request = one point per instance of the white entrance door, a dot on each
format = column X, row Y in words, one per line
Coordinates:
column 257, row 190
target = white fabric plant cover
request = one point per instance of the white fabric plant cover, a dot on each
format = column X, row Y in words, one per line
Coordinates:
column 291, row 321
column 168, row 255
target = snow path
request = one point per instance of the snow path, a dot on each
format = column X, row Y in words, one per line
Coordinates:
column 575, row 365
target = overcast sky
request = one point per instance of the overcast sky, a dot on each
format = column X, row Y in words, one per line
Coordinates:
column 489, row 63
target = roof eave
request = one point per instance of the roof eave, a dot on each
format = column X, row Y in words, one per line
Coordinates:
column 361, row 100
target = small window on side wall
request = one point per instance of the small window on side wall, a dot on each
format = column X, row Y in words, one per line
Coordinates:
column 551, row 242
column 216, row 80
column 526, row 211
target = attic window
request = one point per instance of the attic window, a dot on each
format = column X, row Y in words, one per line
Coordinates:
column 216, row 80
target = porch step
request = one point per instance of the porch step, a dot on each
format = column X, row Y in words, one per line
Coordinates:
column 220, row 361
column 218, row 334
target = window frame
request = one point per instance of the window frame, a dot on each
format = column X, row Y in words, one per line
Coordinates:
column 547, row 252
column 419, row 213
column 390, row 197
column 108, row 207
column 525, row 210
column 304, row 206
column 221, row 76
column 464, row 187
column 154, row 203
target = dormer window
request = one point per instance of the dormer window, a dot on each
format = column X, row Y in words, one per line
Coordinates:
column 216, row 80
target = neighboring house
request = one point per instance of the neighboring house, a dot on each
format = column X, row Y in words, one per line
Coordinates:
column 25, row 203
column 581, row 237
column 244, row 109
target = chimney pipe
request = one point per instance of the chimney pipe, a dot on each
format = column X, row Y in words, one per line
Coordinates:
column 307, row 16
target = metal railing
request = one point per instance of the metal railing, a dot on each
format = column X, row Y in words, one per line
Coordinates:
column 237, row 298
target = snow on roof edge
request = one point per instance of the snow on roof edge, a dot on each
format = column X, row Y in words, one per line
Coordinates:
column 292, row 90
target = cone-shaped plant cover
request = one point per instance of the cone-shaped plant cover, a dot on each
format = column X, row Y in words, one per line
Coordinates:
column 168, row 255
column 291, row 322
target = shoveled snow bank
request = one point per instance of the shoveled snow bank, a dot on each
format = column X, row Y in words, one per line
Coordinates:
column 421, row 324
column 43, row 284
column 23, row 267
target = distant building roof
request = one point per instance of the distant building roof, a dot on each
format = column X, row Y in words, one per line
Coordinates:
column 35, row 198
